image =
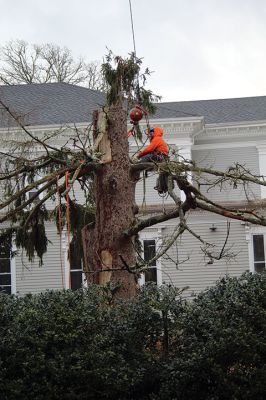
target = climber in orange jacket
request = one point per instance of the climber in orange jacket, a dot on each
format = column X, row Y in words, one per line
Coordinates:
column 157, row 150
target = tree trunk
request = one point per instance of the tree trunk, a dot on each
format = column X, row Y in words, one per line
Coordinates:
column 108, row 254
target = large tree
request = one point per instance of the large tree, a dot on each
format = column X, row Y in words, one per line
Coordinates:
column 21, row 62
column 108, row 222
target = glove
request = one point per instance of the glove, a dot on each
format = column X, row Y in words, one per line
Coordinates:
column 135, row 157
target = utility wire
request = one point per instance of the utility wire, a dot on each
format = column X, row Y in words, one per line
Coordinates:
column 137, row 89
column 132, row 27
column 138, row 95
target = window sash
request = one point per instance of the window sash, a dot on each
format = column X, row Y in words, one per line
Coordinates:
column 6, row 289
column 5, row 269
column 149, row 252
column 259, row 252
column 5, row 266
column 149, row 249
column 76, row 279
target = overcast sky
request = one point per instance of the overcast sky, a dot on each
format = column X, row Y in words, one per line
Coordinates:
column 198, row 49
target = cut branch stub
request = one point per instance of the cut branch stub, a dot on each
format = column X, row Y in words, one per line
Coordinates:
column 107, row 263
column 102, row 142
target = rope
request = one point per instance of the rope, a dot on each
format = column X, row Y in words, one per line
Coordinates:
column 60, row 231
column 132, row 28
column 135, row 52
column 68, row 223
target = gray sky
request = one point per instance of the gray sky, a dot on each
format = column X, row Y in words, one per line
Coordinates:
column 198, row 49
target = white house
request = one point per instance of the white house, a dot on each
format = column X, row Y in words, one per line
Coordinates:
column 214, row 133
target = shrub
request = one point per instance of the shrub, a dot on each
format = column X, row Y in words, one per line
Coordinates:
column 222, row 350
column 85, row 345
column 75, row 345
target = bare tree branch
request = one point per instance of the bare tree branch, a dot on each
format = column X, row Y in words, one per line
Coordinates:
column 22, row 62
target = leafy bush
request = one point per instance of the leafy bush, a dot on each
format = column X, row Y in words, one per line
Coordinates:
column 222, row 350
column 86, row 345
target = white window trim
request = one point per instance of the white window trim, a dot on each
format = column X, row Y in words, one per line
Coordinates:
column 13, row 270
column 157, row 236
column 34, row 190
column 66, row 261
column 250, row 232
column 67, row 270
column 262, row 165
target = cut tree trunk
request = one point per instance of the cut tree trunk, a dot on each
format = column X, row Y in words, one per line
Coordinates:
column 108, row 255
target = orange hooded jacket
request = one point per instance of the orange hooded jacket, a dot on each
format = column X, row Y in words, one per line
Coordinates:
column 157, row 145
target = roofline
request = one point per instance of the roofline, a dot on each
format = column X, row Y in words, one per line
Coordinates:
column 175, row 119
column 46, row 127
column 50, row 83
column 156, row 121
column 215, row 99
column 235, row 123
column 86, row 123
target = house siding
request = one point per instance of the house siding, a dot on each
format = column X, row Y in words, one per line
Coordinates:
column 33, row 278
column 187, row 266
column 222, row 159
column 146, row 194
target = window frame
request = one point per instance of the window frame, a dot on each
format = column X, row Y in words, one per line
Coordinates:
column 34, row 190
column 252, row 231
column 68, row 270
column 264, row 251
column 155, row 235
column 12, row 272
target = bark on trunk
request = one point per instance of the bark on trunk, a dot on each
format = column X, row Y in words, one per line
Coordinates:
column 107, row 251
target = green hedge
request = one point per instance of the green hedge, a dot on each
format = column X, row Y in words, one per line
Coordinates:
column 84, row 345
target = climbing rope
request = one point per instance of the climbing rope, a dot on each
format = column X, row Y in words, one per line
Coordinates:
column 132, row 27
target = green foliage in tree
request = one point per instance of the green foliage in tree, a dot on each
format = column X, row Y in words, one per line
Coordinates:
column 86, row 345
column 125, row 81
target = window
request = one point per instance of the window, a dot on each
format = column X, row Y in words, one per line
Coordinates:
column 31, row 193
column 76, row 271
column 259, row 253
column 5, row 268
column 149, row 249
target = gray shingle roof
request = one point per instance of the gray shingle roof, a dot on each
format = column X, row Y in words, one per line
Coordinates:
column 218, row 111
column 51, row 103
column 61, row 103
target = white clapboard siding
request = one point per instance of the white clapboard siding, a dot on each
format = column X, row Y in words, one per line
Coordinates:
column 187, row 266
column 146, row 194
column 223, row 158
column 32, row 278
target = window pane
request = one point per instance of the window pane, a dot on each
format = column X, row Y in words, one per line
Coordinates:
column 4, row 265
column 4, row 251
column 32, row 193
column 151, row 275
column 258, row 246
column 75, row 257
column 5, row 289
column 5, row 279
column 259, row 267
column 149, row 250
column 76, row 279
